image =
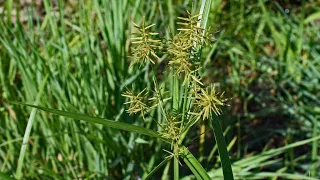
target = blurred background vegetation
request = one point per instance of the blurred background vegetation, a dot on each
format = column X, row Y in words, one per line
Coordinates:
column 266, row 57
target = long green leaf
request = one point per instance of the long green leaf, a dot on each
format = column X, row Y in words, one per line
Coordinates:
column 175, row 105
column 194, row 164
column 28, row 130
column 204, row 13
column 222, row 148
column 97, row 120
column 156, row 168
column 315, row 145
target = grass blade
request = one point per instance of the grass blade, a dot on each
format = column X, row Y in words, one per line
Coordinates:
column 28, row 131
column 312, row 17
column 194, row 165
column 315, row 145
column 9, row 7
column 204, row 13
column 175, row 104
column 97, row 120
column 156, row 168
column 222, row 148
column 171, row 14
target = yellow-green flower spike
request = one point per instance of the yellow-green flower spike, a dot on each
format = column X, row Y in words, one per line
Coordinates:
column 144, row 46
column 207, row 102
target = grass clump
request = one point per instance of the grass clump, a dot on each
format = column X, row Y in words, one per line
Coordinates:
column 265, row 57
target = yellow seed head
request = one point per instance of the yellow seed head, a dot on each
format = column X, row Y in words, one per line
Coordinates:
column 207, row 102
column 144, row 46
column 136, row 102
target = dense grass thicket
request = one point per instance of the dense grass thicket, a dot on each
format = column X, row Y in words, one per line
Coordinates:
column 75, row 56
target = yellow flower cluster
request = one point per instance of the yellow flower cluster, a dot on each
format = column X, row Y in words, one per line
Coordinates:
column 144, row 46
column 184, row 54
column 206, row 102
column 183, row 48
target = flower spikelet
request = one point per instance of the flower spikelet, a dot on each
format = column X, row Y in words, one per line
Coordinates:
column 190, row 29
column 171, row 130
column 144, row 45
column 159, row 97
column 183, row 48
column 136, row 102
column 207, row 102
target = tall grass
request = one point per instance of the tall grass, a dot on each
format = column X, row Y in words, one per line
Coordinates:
column 264, row 58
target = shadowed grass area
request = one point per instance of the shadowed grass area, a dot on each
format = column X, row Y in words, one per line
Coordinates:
column 266, row 57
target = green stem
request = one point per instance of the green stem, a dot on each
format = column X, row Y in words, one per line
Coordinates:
column 222, row 148
column 9, row 5
column 314, row 150
column 175, row 105
column 176, row 166
column 185, row 94
column 159, row 94
column 171, row 15
column 175, row 98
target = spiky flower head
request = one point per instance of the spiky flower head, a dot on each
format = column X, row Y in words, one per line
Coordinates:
column 190, row 29
column 207, row 102
column 171, row 130
column 159, row 97
column 144, row 46
column 180, row 60
column 183, row 48
column 137, row 102
column 145, row 100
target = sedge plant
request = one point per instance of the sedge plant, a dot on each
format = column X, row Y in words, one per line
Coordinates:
column 257, row 55
column 187, row 103
column 197, row 102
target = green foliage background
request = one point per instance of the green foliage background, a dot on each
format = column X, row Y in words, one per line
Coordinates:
column 265, row 57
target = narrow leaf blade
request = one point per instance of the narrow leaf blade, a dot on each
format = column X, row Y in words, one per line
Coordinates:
column 97, row 120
